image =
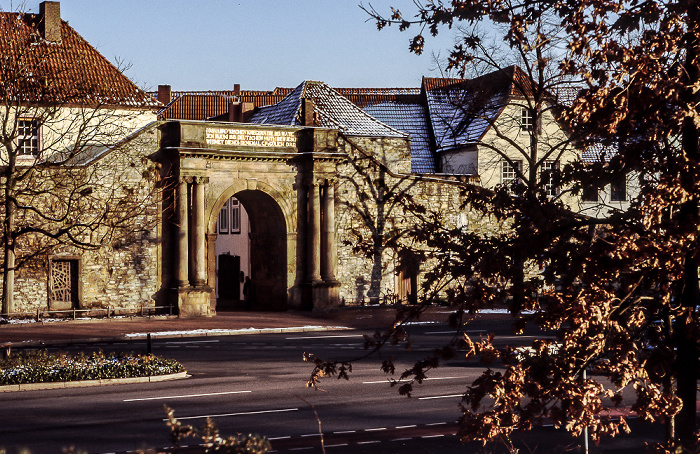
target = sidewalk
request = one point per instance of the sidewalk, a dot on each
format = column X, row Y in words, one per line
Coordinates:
column 92, row 330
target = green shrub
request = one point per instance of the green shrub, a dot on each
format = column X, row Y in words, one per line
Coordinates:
column 42, row 366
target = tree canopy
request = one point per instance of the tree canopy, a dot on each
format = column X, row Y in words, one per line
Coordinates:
column 618, row 291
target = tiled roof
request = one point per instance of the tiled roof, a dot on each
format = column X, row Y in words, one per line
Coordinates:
column 331, row 110
column 203, row 105
column 461, row 113
column 348, row 92
column 196, row 107
column 462, row 110
column 410, row 118
column 69, row 71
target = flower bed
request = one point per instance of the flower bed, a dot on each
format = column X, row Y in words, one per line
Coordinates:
column 42, row 366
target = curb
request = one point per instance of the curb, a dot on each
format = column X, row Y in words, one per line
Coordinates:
column 88, row 383
column 177, row 334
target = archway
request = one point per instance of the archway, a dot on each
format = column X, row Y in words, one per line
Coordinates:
column 263, row 232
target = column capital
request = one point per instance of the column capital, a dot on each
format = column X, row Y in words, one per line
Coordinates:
column 201, row 180
column 185, row 179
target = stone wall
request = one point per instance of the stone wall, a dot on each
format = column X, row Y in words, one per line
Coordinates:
column 359, row 207
column 124, row 272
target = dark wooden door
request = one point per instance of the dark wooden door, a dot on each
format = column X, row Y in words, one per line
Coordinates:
column 229, row 277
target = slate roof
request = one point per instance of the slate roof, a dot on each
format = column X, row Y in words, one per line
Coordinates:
column 331, row 110
column 462, row 110
column 70, row 71
column 410, row 118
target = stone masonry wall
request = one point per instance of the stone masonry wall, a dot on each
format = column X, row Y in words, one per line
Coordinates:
column 123, row 274
column 354, row 193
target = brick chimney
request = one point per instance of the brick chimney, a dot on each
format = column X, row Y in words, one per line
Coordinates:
column 307, row 112
column 235, row 114
column 164, row 94
column 50, row 25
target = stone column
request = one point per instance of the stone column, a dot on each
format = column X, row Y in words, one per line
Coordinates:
column 198, row 237
column 182, row 234
column 313, row 237
column 211, row 269
column 328, row 247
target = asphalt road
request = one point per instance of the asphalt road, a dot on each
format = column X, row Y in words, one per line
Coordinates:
column 255, row 384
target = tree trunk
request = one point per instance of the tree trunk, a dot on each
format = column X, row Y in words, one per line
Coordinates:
column 685, row 342
column 687, row 357
column 375, row 284
column 8, row 269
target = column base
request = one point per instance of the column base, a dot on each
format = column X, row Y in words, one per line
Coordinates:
column 194, row 302
column 320, row 295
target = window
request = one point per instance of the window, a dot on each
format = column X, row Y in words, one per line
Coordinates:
column 527, row 119
column 28, row 138
column 223, row 219
column 509, row 172
column 589, row 193
column 230, row 217
column 547, row 177
column 235, row 215
column 618, row 189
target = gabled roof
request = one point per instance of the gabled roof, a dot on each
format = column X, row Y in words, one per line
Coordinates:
column 69, row 71
column 461, row 113
column 462, row 110
column 331, row 110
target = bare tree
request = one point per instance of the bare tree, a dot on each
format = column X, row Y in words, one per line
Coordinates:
column 376, row 205
column 74, row 172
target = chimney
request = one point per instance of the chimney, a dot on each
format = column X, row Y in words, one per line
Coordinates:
column 236, row 89
column 307, row 112
column 164, row 94
column 235, row 113
column 50, row 25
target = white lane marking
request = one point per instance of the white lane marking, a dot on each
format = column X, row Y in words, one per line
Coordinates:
column 368, row 442
column 436, row 424
column 326, row 337
column 334, row 446
column 310, row 435
column 432, row 436
column 192, row 342
column 282, row 410
column 185, row 396
column 345, row 432
column 406, row 427
column 425, row 379
column 453, row 331
column 375, row 429
column 280, row 438
column 400, row 439
column 441, row 397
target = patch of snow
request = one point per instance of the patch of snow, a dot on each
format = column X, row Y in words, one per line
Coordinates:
column 251, row 330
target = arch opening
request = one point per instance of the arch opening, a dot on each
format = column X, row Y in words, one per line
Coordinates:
column 251, row 243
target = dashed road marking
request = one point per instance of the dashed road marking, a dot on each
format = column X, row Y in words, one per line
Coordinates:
column 185, row 396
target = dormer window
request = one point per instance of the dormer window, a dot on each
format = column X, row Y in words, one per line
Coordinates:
column 527, row 119
column 28, row 138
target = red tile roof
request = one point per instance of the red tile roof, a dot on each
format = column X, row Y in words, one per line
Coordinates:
column 70, row 71
column 201, row 105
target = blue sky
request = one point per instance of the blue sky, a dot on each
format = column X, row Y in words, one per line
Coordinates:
column 260, row 44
